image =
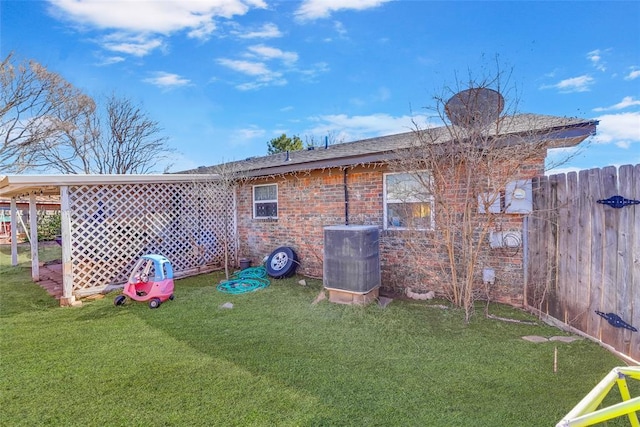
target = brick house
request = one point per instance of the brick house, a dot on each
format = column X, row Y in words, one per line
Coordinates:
column 288, row 198
column 284, row 200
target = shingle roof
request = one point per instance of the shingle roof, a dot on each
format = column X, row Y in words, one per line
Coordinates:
column 562, row 131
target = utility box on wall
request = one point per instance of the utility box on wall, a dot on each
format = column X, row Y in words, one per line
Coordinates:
column 518, row 197
column 493, row 200
column 351, row 268
column 505, row 239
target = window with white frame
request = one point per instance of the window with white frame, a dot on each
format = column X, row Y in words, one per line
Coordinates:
column 265, row 201
column 408, row 203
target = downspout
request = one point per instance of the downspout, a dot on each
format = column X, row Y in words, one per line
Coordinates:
column 346, row 197
column 525, row 258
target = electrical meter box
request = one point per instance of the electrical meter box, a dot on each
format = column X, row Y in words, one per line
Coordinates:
column 518, row 197
column 489, row 203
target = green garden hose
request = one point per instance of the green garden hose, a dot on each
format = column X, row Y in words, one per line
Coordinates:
column 247, row 280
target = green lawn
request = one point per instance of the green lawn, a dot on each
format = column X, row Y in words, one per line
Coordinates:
column 275, row 359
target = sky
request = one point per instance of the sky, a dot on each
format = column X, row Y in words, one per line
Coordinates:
column 224, row 77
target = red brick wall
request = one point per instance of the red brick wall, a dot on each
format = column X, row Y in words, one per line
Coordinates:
column 307, row 202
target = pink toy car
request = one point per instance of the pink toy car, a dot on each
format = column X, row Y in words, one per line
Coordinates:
column 151, row 280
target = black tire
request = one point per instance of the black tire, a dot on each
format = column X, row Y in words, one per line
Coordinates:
column 282, row 263
column 154, row 303
column 119, row 300
column 171, row 297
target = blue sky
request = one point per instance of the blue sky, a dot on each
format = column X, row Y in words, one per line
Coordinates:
column 223, row 77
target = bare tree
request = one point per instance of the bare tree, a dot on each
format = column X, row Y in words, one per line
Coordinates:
column 35, row 106
column 454, row 178
column 219, row 192
column 131, row 143
column 311, row 141
column 49, row 125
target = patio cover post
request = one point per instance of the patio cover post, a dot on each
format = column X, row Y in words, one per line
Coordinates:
column 65, row 229
column 33, row 231
column 14, row 233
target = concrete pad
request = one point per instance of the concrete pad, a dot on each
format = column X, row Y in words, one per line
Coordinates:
column 384, row 301
column 339, row 296
column 534, row 339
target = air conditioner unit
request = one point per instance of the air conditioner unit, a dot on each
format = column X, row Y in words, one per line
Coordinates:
column 351, row 258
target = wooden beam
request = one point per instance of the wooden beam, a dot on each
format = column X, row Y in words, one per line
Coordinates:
column 33, row 231
column 67, row 266
column 14, row 233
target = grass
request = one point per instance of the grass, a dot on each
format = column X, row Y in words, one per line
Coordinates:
column 275, row 359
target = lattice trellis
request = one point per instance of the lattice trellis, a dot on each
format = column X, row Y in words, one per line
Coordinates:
column 190, row 223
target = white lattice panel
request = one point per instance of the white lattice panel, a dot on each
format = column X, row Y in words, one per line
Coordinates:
column 113, row 225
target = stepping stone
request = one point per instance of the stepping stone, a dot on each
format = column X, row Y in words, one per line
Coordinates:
column 565, row 339
column 534, row 339
column 321, row 297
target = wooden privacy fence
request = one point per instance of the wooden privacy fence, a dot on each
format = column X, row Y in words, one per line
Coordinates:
column 584, row 256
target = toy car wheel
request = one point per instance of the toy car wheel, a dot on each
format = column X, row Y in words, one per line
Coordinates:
column 154, row 303
column 119, row 300
column 171, row 297
column 282, row 263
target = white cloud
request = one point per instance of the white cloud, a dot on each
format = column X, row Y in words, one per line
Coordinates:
column 340, row 29
column 250, row 68
column 145, row 18
column 135, row 45
column 167, row 80
column 352, row 128
column 316, row 69
column 263, row 75
column 247, row 134
column 620, row 129
column 267, row 52
column 626, row 102
column 595, row 56
column 151, row 16
column 634, row 74
column 111, row 60
column 270, row 80
column 315, row 9
column 268, row 31
column 259, row 69
column 575, row 84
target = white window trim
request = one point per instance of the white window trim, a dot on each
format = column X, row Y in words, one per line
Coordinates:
column 385, row 225
column 253, row 197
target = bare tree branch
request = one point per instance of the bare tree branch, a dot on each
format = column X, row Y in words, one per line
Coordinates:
column 468, row 162
column 46, row 124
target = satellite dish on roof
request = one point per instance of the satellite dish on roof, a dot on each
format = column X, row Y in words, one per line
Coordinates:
column 476, row 107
